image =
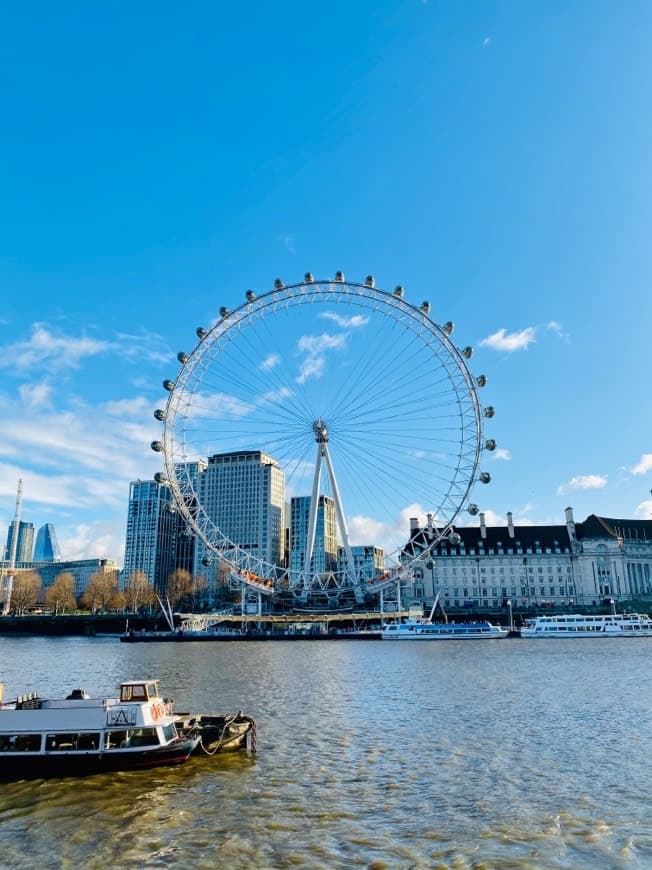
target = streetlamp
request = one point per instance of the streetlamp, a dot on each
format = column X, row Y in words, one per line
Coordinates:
column 509, row 616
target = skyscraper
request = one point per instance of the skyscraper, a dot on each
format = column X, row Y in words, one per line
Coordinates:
column 243, row 495
column 46, row 548
column 25, row 544
column 152, row 526
column 324, row 553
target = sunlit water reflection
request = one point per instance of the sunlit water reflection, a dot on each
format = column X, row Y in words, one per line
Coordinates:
column 513, row 754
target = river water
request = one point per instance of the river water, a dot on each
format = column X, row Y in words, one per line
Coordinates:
column 512, row 754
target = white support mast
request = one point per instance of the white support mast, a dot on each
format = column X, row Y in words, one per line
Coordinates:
column 321, row 436
column 13, row 548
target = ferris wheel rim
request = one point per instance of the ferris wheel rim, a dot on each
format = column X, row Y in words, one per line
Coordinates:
column 294, row 294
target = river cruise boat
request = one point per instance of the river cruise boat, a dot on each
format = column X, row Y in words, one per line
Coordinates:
column 581, row 625
column 415, row 629
column 80, row 735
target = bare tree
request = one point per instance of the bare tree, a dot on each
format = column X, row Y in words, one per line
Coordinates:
column 102, row 591
column 26, row 591
column 179, row 586
column 138, row 591
column 60, row 596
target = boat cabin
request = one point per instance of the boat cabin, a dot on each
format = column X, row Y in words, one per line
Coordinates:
column 138, row 691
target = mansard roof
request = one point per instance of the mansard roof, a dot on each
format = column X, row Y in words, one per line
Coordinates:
column 536, row 537
column 600, row 527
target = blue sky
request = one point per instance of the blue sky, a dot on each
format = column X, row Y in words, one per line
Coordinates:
column 492, row 157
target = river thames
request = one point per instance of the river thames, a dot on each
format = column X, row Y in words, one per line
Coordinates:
column 512, row 754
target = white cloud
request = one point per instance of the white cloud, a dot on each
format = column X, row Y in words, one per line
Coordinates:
column 36, row 395
column 502, row 453
column 583, row 481
column 391, row 534
column 644, row 510
column 47, row 348
column 558, row 329
column 289, row 243
column 510, row 341
column 273, row 360
column 136, row 407
column 643, row 465
column 315, row 346
column 353, row 322
column 97, row 540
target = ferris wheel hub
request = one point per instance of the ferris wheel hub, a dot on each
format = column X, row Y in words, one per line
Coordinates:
column 321, row 431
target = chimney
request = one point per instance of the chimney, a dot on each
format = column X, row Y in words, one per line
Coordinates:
column 414, row 525
column 510, row 524
column 483, row 527
column 430, row 528
column 570, row 524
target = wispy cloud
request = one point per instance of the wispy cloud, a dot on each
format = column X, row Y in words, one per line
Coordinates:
column 36, row 395
column 502, row 453
column 315, row 347
column 270, row 362
column 353, row 322
column 45, row 347
column 510, row 341
column 51, row 349
column 486, row 41
column 289, row 243
column 583, row 481
column 643, row 465
column 644, row 510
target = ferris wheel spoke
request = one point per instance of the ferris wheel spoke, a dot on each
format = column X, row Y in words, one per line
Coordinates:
column 337, row 371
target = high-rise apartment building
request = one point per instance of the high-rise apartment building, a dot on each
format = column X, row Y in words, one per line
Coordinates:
column 324, row 552
column 243, row 494
column 46, row 548
column 368, row 561
column 152, row 527
column 25, row 542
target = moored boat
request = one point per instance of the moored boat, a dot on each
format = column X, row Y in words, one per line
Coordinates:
column 415, row 629
column 80, row 735
column 583, row 625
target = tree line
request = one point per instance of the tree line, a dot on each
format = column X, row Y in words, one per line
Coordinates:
column 102, row 592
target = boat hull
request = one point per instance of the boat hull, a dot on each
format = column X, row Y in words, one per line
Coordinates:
column 17, row 766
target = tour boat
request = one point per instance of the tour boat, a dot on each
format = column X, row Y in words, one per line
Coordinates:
column 416, row 629
column 80, row 735
column 581, row 625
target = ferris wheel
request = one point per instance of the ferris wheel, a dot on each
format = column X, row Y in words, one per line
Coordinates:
column 331, row 408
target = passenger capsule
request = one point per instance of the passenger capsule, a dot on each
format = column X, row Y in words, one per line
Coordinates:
column 309, row 278
column 278, row 284
column 250, row 295
column 168, row 385
column 481, row 381
column 156, row 446
column 467, row 352
column 224, row 311
column 398, row 291
column 369, row 281
column 159, row 477
column 455, row 539
column 425, row 307
column 182, row 357
column 473, row 509
column 485, row 477
column 448, row 327
column 489, row 411
column 490, row 444
column 206, row 561
column 159, row 415
column 201, row 332
column 339, row 277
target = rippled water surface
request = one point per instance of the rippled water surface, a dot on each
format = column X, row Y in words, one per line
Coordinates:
column 512, row 754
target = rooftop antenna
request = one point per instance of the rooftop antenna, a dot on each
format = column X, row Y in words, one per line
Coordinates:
column 12, row 548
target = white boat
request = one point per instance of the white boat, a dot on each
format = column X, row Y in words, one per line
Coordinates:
column 416, row 629
column 582, row 625
column 80, row 735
